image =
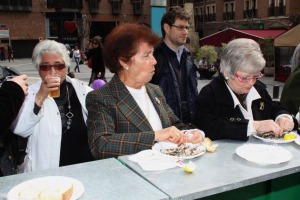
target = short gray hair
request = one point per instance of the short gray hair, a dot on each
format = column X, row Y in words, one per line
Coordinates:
column 50, row 46
column 242, row 54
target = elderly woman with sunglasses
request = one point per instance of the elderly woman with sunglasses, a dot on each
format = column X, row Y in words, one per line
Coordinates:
column 56, row 126
column 236, row 104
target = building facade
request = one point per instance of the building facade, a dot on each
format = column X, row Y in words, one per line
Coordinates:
column 212, row 16
column 25, row 22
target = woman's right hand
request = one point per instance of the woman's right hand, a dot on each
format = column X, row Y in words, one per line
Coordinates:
column 267, row 126
column 49, row 84
column 171, row 134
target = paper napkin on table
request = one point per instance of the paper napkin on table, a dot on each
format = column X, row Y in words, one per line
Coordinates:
column 151, row 161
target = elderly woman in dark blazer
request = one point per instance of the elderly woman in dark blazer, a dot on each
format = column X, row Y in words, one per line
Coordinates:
column 129, row 114
column 236, row 104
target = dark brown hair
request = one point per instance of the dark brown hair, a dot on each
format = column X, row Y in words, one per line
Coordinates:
column 171, row 15
column 123, row 43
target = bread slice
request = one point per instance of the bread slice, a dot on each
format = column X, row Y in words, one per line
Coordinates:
column 59, row 191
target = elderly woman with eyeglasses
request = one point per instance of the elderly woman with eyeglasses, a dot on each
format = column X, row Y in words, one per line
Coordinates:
column 55, row 125
column 236, row 104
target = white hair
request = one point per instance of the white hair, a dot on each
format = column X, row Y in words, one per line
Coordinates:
column 50, row 46
column 241, row 54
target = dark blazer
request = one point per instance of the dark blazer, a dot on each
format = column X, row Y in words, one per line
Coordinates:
column 290, row 96
column 217, row 117
column 165, row 77
column 116, row 124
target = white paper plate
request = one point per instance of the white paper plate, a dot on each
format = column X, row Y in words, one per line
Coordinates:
column 167, row 145
column 78, row 188
column 278, row 141
column 263, row 154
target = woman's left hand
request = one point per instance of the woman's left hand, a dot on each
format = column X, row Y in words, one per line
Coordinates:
column 285, row 123
column 194, row 136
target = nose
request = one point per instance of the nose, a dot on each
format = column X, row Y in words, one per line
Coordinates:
column 52, row 71
column 153, row 60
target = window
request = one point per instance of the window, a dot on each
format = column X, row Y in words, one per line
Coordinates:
column 277, row 7
column 137, row 6
column 70, row 4
column 15, row 5
column 229, row 11
column 250, row 9
column 93, row 5
column 116, row 6
column 176, row 3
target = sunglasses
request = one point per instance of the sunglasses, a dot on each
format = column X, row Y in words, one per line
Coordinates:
column 45, row 67
column 248, row 78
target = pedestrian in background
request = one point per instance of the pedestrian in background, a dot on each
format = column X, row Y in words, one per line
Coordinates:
column 77, row 57
column 95, row 60
column 10, row 53
column 175, row 71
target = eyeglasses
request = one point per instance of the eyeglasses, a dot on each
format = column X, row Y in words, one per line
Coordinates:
column 181, row 28
column 247, row 78
column 45, row 67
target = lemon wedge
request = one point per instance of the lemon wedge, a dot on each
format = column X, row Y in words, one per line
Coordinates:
column 289, row 136
column 189, row 167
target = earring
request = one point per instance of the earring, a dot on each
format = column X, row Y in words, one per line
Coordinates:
column 126, row 67
column 226, row 77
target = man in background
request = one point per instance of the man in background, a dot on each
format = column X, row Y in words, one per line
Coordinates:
column 175, row 71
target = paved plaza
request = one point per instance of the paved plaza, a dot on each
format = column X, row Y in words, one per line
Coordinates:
column 25, row 66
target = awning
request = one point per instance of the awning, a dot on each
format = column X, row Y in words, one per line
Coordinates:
column 291, row 38
column 229, row 34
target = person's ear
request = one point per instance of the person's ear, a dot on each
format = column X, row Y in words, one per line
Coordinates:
column 166, row 27
column 123, row 64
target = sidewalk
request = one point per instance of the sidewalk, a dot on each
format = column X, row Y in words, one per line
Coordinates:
column 25, row 66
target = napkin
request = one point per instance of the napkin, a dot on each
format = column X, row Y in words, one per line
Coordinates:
column 148, row 160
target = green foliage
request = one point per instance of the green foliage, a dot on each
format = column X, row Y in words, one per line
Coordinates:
column 267, row 48
column 209, row 52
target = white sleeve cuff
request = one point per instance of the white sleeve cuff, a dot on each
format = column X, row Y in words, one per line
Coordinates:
column 250, row 130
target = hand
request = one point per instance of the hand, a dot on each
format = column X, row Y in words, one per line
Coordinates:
column 49, row 84
column 21, row 81
column 194, row 136
column 267, row 126
column 171, row 134
column 285, row 123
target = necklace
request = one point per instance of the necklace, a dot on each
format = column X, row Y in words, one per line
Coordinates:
column 69, row 115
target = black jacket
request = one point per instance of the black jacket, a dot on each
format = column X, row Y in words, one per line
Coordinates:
column 165, row 77
column 217, row 117
column 11, row 100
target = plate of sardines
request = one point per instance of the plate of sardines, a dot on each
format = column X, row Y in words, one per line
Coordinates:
column 183, row 151
column 286, row 137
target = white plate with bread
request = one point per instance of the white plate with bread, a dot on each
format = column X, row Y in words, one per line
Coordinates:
column 50, row 187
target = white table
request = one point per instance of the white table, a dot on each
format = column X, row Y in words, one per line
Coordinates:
column 103, row 179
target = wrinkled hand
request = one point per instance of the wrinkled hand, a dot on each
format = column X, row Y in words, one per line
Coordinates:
column 285, row 123
column 171, row 134
column 267, row 126
column 22, row 81
column 49, row 84
column 194, row 136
